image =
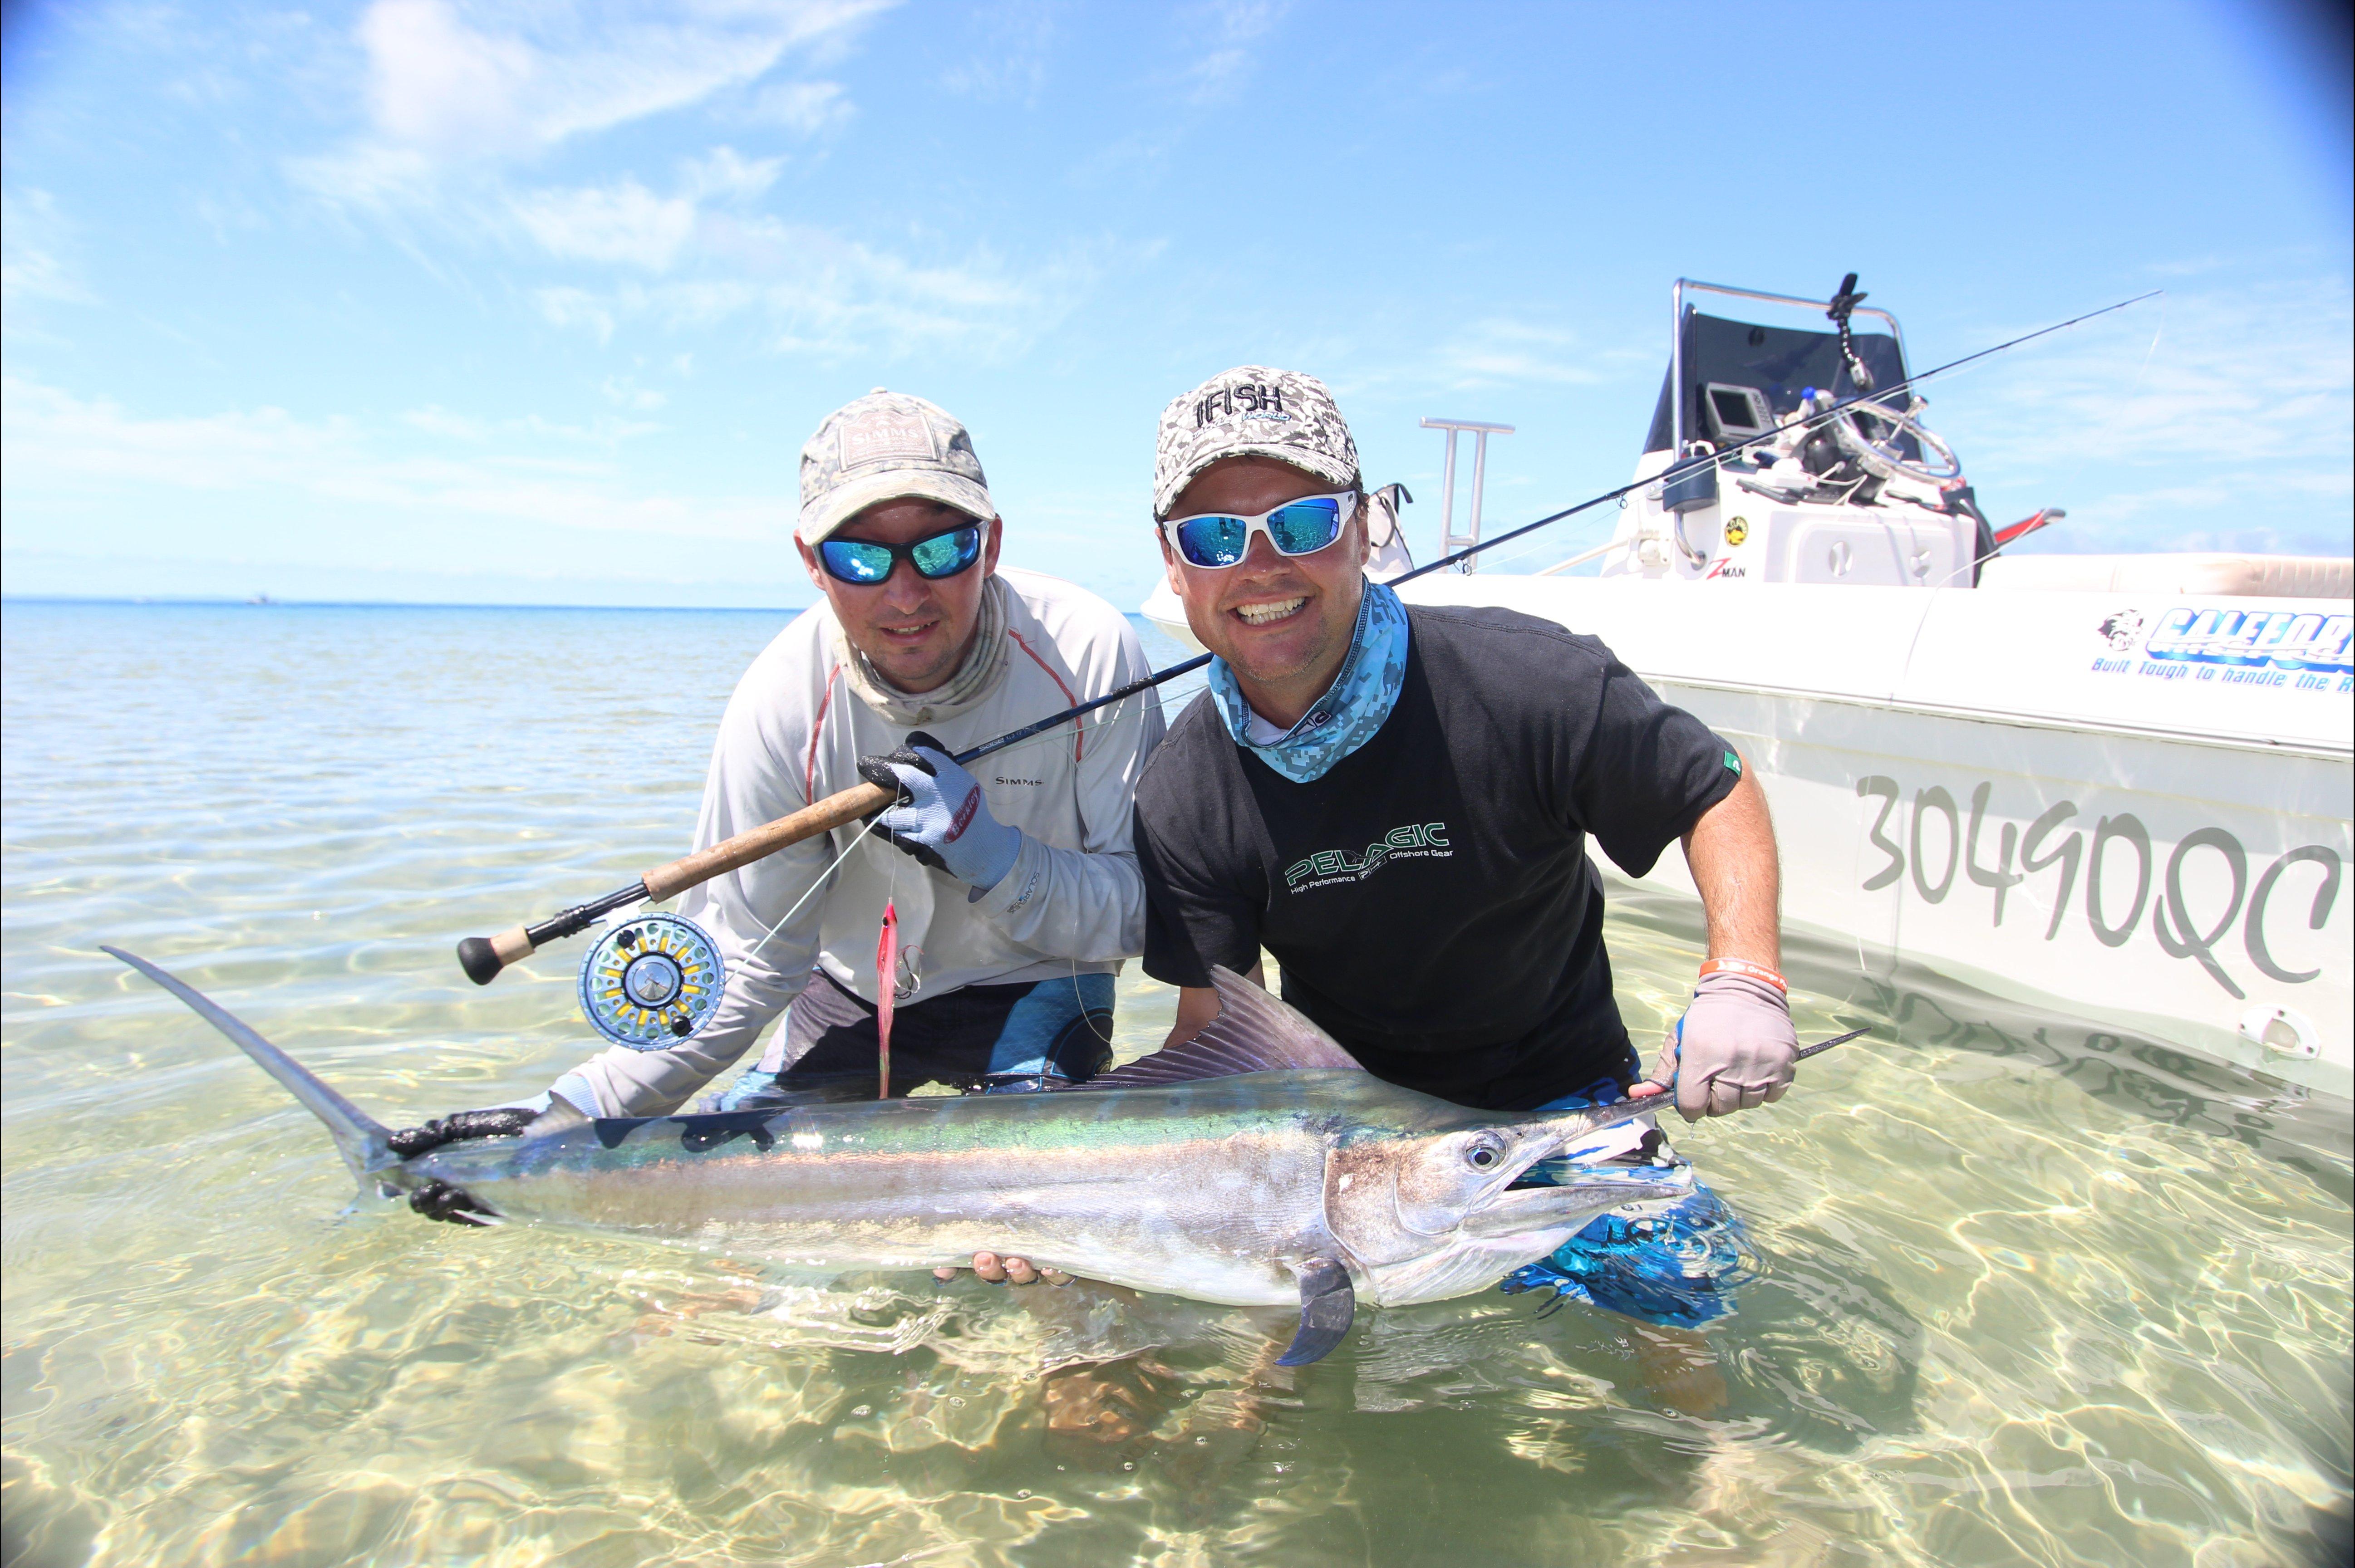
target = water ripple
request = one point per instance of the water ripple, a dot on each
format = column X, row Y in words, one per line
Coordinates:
column 2029, row 1295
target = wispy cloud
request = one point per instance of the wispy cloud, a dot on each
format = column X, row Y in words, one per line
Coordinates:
column 2210, row 377
column 2250, row 392
column 807, row 108
column 1501, row 350
column 816, row 292
column 470, row 87
column 34, row 240
column 622, row 222
column 1232, row 28
column 456, row 101
column 57, row 439
column 1004, row 56
column 460, row 100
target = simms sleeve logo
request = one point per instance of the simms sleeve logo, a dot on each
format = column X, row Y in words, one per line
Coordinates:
column 1416, row 841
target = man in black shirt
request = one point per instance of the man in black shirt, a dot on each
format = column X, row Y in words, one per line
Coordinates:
column 1395, row 802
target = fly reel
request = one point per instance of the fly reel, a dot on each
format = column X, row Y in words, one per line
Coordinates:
column 653, row 980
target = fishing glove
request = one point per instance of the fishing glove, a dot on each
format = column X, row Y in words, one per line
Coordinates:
column 506, row 1121
column 942, row 817
column 1734, row 1047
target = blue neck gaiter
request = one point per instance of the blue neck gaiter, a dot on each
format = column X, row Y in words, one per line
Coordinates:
column 1351, row 710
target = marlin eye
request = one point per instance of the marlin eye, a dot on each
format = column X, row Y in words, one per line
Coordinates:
column 1483, row 1157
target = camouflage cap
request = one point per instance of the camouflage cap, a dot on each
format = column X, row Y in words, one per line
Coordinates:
column 887, row 446
column 1252, row 410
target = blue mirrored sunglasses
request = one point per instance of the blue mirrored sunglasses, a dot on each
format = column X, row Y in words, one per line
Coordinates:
column 1299, row 527
column 937, row 555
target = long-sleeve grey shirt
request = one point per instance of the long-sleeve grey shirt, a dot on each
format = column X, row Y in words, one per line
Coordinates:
column 794, row 733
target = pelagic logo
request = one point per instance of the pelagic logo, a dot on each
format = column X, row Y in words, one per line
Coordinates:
column 1249, row 397
column 1416, row 841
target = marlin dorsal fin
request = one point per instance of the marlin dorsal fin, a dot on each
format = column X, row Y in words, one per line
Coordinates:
column 1254, row 1033
column 365, row 1146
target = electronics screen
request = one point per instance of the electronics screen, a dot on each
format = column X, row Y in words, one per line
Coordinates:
column 1737, row 411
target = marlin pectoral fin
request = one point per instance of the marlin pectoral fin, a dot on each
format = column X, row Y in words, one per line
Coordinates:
column 1327, row 1303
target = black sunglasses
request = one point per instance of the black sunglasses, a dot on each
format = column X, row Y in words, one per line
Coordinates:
column 934, row 556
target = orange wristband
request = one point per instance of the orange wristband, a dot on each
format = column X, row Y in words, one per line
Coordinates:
column 1749, row 971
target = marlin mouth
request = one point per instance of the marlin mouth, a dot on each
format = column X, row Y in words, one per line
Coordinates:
column 1527, row 1206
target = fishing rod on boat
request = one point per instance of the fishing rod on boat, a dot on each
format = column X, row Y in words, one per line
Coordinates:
column 651, row 982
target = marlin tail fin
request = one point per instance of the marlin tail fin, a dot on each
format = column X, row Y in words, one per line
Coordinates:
column 360, row 1140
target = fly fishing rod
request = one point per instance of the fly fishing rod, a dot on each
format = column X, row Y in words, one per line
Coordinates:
column 484, row 957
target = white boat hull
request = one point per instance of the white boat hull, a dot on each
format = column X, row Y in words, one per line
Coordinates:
column 2008, row 789
column 1961, row 788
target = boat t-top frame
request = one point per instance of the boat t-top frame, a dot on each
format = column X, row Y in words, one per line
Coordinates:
column 1677, row 337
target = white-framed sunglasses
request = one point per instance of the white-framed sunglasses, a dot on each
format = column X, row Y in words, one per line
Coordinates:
column 1215, row 540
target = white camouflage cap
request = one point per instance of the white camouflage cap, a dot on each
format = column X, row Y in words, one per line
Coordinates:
column 1252, row 410
column 887, row 446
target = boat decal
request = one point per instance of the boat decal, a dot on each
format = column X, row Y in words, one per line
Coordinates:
column 2126, row 874
column 2303, row 651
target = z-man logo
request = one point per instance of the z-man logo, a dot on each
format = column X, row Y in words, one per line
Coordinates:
column 1416, row 841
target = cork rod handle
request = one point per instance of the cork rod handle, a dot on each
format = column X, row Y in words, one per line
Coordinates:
column 757, row 844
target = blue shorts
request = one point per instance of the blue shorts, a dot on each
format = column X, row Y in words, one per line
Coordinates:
column 1673, row 1262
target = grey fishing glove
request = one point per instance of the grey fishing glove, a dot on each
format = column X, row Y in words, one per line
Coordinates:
column 943, row 817
column 1734, row 1048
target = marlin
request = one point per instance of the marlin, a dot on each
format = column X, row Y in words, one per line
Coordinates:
column 1257, row 1164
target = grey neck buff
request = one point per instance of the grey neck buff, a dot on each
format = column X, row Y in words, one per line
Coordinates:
column 984, row 666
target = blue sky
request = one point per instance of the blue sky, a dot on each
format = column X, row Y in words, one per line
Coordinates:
column 537, row 304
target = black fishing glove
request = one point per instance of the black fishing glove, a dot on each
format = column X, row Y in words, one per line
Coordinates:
column 940, row 816
column 877, row 769
column 506, row 1121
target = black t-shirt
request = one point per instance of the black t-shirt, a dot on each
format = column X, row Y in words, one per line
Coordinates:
column 1430, row 899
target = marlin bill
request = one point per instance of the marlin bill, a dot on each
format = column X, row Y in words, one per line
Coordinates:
column 1257, row 1164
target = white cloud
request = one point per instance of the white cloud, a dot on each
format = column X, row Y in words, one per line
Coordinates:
column 34, row 237
column 726, row 176
column 467, row 88
column 436, row 420
column 55, row 439
column 622, row 222
column 1234, row 27
column 806, row 107
column 2266, row 372
column 1500, row 350
column 453, row 96
column 436, row 83
column 820, row 293
column 1004, row 55
column 625, row 391
column 2210, row 419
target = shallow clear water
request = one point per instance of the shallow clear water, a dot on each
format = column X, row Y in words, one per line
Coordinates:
column 2031, row 1296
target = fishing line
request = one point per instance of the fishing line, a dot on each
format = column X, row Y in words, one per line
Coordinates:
column 484, row 958
column 823, row 878
column 1678, row 469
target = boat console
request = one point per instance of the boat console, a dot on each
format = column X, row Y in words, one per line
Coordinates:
column 1869, row 497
